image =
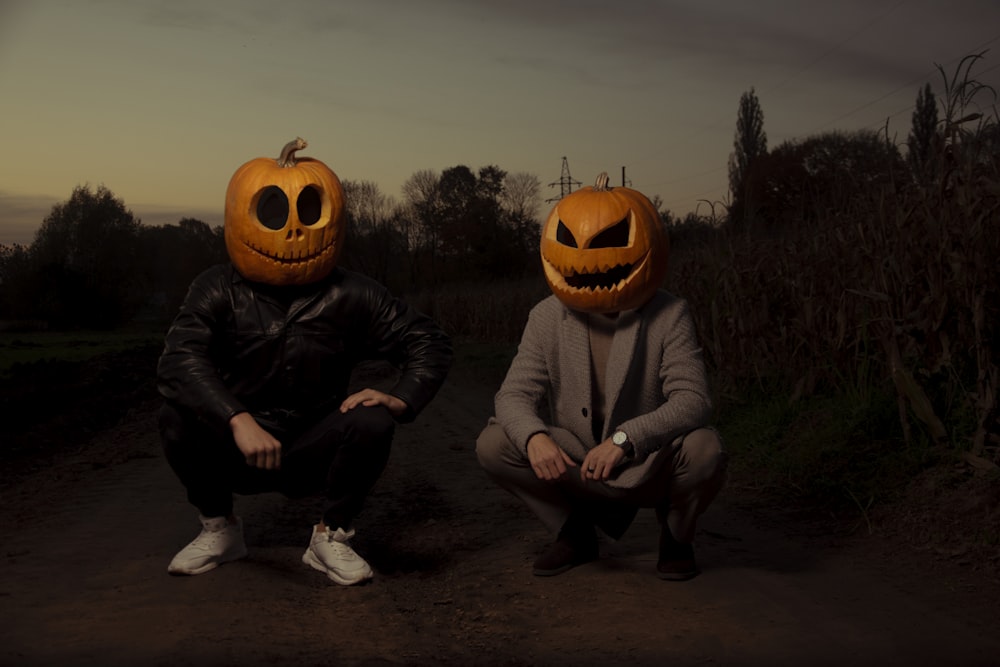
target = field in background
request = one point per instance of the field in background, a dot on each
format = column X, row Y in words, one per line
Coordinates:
column 24, row 348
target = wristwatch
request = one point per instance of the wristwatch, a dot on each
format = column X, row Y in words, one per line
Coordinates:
column 620, row 438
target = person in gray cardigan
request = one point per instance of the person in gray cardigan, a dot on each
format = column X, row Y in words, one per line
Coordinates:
column 604, row 412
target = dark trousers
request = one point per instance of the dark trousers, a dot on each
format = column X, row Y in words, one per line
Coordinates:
column 680, row 490
column 340, row 455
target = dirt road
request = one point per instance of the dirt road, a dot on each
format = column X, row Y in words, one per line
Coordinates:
column 86, row 542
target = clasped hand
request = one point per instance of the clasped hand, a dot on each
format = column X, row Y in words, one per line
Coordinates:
column 263, row 450
column 550, row 462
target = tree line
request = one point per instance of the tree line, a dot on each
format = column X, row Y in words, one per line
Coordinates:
column 93, row 264
column 803, row 182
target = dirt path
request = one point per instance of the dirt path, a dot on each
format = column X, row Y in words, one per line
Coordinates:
column 86, row 543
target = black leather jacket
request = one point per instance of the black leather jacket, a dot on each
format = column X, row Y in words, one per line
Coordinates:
column 237, row 346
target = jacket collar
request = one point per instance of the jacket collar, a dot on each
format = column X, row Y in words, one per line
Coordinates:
column 292, row 299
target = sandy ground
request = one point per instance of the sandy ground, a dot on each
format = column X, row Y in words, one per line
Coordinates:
column 87, row 537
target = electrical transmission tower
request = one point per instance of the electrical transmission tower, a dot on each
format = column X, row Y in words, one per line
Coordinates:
column 565, row 182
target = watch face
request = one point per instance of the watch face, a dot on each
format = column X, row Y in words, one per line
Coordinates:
column 619, row 438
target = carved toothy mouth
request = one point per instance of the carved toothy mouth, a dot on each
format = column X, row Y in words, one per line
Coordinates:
column 290, row 258
column 591, row 279
column 604, row 280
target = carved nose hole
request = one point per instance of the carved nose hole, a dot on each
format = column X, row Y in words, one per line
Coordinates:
column 294, row 234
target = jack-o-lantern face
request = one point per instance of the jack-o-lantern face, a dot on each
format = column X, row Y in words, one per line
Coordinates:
column 604, row 249
column 284, row 219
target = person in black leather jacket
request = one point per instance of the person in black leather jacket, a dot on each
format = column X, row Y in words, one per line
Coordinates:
column 255, row 378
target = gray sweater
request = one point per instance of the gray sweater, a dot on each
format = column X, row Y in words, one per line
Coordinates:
column 656, row 385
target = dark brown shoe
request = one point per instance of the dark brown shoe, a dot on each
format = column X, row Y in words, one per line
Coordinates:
column 573, row 547
column 676, row 561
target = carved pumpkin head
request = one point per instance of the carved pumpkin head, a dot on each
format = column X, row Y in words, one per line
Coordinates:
column 604, row 249
column 284, row 219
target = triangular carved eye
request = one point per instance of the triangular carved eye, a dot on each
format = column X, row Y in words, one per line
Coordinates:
column 613, row 237
column 564, row 236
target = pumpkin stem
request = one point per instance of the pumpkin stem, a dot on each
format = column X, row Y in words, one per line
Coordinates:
column 601, row 184
column 287, row 157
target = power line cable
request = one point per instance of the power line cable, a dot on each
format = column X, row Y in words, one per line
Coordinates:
column 978, row 49
column 705, row 128
column 905, row 85
column 838, row 45
column 913, row 106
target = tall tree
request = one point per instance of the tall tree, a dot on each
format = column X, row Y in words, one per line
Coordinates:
column 923, row 142
column 88, row 251
column 173, row 255
column 16, row 294
column 458, row 191
column 749, row 145
column 823, row 175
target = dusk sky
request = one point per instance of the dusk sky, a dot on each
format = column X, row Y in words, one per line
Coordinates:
column 161, row 101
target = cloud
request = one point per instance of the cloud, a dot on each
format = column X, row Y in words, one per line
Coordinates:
column 154, row 216
column 727, row 39
column 22, row 215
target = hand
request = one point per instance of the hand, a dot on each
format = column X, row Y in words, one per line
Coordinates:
column 547, row 459
column 601, row 460
column 370, row 397
column 259, row 447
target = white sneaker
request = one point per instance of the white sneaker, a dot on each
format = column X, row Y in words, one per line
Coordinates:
column 329, row 552
column 219, row 542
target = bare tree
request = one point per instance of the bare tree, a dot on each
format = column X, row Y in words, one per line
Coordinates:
column 421, row 198
column 521, row 195
column 367, row 207
column 521, row 199
column 373, row 244
column 422, row 203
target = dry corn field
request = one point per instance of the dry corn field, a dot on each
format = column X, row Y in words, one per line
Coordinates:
column 894, row 290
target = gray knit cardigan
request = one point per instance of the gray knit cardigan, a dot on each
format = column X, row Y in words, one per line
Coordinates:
column 656, row 385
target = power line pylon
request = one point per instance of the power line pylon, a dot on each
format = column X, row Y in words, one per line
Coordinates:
column 565, row 182
column 626, row 183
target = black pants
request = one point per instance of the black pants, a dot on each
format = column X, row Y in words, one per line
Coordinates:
column 340, row 455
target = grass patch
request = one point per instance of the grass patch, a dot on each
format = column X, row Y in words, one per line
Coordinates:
column 839, row 453
column 20, row 349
